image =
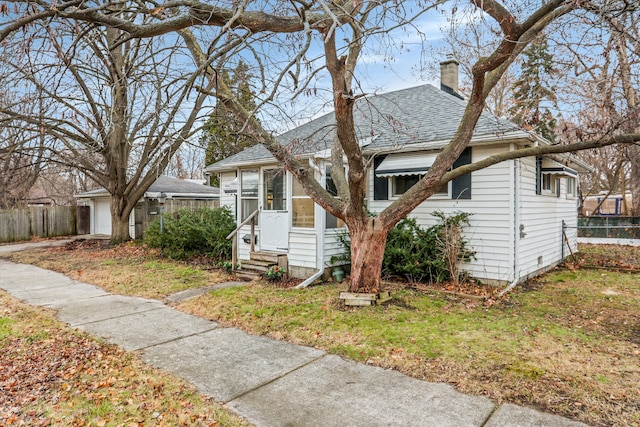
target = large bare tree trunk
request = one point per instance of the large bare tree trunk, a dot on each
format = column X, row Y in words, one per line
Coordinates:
column 120, row 211
column 119, row 229
column 368, row 241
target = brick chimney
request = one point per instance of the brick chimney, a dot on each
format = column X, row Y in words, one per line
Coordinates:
column 449, row 75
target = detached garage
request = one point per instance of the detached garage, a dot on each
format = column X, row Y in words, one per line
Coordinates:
column 101, row 216
column 177, row 192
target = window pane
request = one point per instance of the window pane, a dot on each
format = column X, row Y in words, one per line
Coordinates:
column 249, row 183
column 248, row 207
column 571, row 186
column 275, row 190
column 330, row 186
column 297, row 189
column 403, row 183
column 333, row 221
column 302, row 212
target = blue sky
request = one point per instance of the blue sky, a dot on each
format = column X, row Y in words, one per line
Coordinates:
column 380, row 69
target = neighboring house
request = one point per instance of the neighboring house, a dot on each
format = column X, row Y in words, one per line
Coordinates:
column 179, row 194
column 607, row 205
column 518, row 206
column 39, row 197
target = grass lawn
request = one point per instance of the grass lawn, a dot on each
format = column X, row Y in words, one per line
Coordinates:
column 568, row 342
column 53, row 375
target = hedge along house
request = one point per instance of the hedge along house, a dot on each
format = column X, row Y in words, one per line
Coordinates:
column 178, row 194
column 517, row 206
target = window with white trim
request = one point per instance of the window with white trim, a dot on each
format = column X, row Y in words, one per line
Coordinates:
column 248, row 193
column 331, row 221
column 571, row 186
column 394, row 174
column 302, row 207
column 548, row 183
column 402, row 183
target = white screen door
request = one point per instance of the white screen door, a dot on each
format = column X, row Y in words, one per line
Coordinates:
column 274, row 216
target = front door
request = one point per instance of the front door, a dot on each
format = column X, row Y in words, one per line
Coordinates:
column 274, row 215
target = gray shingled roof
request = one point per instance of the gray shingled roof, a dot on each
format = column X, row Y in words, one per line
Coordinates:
column 396, row 120
column 168, row 185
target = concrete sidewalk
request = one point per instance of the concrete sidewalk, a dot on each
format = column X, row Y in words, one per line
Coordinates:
column 50, row 243
column 270, row 383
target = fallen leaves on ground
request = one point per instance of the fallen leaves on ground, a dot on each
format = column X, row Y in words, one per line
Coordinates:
column 102, row 249
column 613, row 257
column 51, row 375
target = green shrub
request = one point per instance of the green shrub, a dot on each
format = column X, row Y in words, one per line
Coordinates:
column 421, row 254
column 275, row 273
column 412, row 253
column 193, row 233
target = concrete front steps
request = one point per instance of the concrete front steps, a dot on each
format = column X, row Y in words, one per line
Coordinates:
column 258, row 263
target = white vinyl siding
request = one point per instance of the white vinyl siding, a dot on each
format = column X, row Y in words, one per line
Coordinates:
column 228, row 199
column 244, row 249
column 542, row 219
column 302, row 249
column 490, row 232
column 331, row 245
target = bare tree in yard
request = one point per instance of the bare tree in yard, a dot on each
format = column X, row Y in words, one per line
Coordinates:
column 601, row 83
column 187, row 162
column 466, row 39
column 344, row 29
column 60, row 183
column 20, row 166
column 627, row 43
column 21, row 157
column 116, row 110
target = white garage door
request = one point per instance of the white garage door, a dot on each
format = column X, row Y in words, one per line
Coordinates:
column 103, row 217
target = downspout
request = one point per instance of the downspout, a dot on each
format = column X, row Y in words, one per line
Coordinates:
column 517, row 233
column 319, row 235
column 311, row 279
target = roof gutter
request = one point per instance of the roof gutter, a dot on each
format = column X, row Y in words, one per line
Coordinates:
column 236, row 165
column 564, row 158
column 173, row 195
column 439, row 145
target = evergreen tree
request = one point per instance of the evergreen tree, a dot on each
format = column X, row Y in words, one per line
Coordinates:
column 533, row 92
column 222, row 135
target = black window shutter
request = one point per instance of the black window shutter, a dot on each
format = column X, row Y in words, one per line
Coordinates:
column 329, row 185
column 461, row 186
column 538, row 174
column 380, row 184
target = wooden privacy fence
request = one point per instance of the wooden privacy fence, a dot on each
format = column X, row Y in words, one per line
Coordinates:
column 149, row 211
column 49, row 221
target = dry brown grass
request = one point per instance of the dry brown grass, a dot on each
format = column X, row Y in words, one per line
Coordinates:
column 53, row 375
column 567, row 343
column 128, row 269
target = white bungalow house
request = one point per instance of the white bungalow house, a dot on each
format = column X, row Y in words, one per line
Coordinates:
column 518, row 206
column 178, row 193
